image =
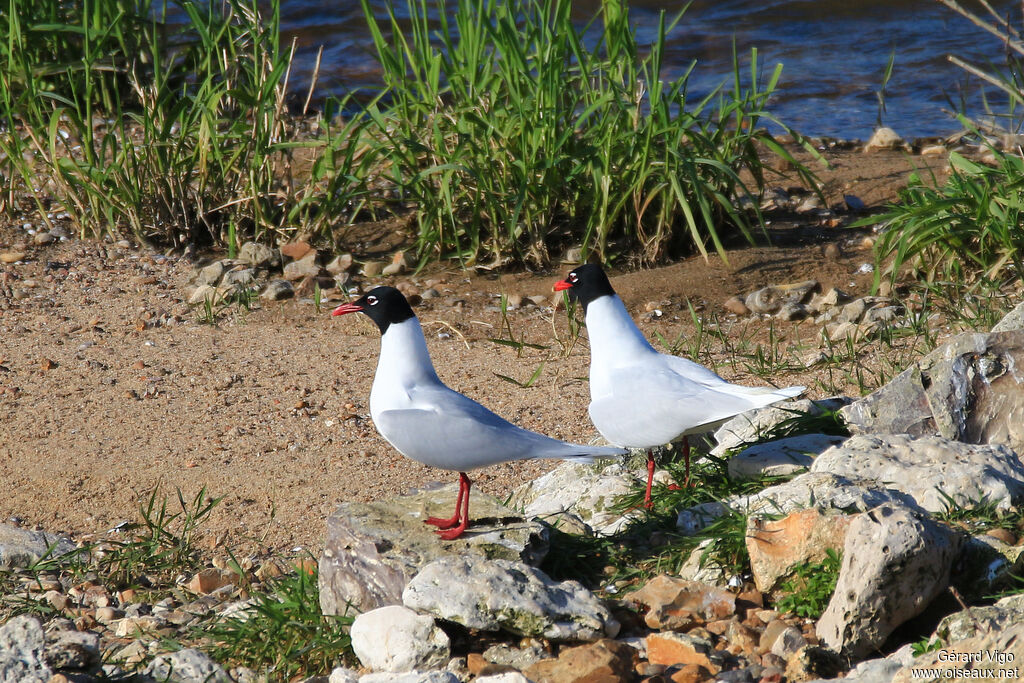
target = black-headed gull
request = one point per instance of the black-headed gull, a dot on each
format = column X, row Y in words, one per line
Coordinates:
column 428, row 422
column 640, row 398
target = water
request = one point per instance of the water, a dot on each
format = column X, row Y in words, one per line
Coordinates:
column 834, row 53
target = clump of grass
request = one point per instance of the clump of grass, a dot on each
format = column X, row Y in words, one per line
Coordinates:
column 513, row 136
column 966, row 230
column 979, row 514
column 807, row 593
column 283, row 632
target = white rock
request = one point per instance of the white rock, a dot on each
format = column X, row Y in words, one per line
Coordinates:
column 781, row 457
column 583, row 490
column 187, row 666
column 501, row 594
column 507, row 677
column 747, row 427
column 21, row 651
column 343, row 675
column 927, row 467
column 411, row 677
column 895, row 561
column 884, row 138
column 397, row 639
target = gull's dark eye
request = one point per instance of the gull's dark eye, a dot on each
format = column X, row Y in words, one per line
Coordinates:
column 573, row 277
column 371, row 300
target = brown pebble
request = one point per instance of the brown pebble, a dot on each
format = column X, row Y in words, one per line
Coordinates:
column 691, row 673
column 832, row 251
column 47, row 364
column 734, row 304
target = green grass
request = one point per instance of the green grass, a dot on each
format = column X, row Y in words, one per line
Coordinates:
column 966, row 231
column 509, row 132
column 283, row 633
column 542, row 140
column 809, row 590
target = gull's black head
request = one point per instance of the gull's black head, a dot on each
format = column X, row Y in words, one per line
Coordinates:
column 384, row 305
column 585, row 284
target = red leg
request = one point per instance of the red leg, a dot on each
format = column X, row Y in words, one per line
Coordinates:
column 455, row 532
column 443, row 523
column 650, row 478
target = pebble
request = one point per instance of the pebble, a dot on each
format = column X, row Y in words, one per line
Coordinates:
column 429, row 293
column 43, row 238
column 734, row 304
column 392, row 269
column 12, row 256
column 884, row 138
column 833, row 252
column 933, row 151
column 373, row 268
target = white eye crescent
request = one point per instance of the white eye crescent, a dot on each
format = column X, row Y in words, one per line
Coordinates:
column 372, row 300
column 573, row 277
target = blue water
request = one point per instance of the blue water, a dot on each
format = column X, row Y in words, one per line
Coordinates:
column 833, row 54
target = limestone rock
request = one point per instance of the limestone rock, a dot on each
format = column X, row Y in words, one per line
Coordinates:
column 397, row 639
column 811, row 661
column 773, row 297
column 512, row 596
column 823, row 490
column 746, row 428
column 587, row 491
column 672, row 603
column 929, row 467
column 22, row 547
column 967, row 390
column 239, row 277
column 506, row 677
column 781, row 457
column 187, row 666
column 259, row 255
column 895, row 561
column 776, row 546
column 1014, row 320
column 22, row 644
column 979, row 620
column 604, row 660
column 373, row 549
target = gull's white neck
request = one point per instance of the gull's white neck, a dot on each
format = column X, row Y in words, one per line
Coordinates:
column 404, row 363
column 615, row 340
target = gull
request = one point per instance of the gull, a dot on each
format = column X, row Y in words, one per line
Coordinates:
column 428, row 422
column 640, row 398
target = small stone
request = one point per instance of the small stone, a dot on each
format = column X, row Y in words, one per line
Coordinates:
column 884, row 138
column 373, row 268
column 832, row 251
column 393, row 269
column 209, row 580
column 734, row 304
column 296, row 250
column 811, row 203
column 854, row 203
column 514, row 301
column 211, row 274
column 43, row 238
column 342, row 263
column 933, row 151
column 259, row 255
column 304, row 267
column 672, row 649
column 276, row 290
column 538, row 300
column 12, row 256
column 792, row 312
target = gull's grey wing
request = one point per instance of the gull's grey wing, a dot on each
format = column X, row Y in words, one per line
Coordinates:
column 448, row 430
